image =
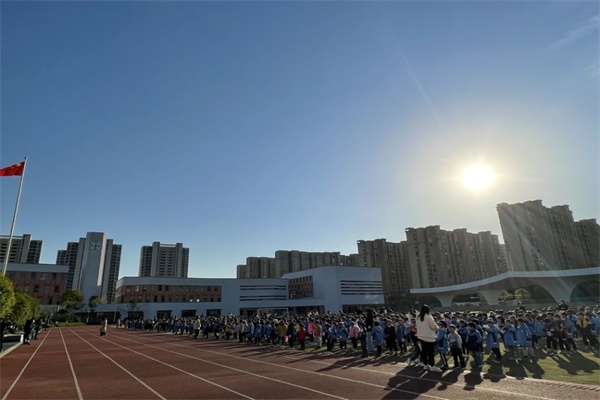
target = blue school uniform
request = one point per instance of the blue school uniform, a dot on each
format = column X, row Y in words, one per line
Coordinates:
column 378, row 335
column 441, row 342
column 510, row 336
column 401, row 331
column 492, row 341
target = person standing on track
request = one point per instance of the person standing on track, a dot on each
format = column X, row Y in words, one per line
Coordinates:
column 197, row 326
column 103, row 327
column 427, row 334
column 27, row 330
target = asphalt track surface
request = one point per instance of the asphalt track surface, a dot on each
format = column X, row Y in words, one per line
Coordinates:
column 76, row 363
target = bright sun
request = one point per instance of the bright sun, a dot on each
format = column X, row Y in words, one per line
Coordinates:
column 477, row 177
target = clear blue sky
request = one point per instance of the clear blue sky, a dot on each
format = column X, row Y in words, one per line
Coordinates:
column 244, row 128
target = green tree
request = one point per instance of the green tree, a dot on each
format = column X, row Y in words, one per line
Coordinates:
column 93, row 303
column 507, row 296
column 25, row 307
column 7, row 296
column 72, row 300
column 522, row 294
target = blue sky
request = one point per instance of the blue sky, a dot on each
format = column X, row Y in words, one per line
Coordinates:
column 242, row 128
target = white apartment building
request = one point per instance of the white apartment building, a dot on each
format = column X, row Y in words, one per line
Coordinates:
column 94, row 264
column 166, row 260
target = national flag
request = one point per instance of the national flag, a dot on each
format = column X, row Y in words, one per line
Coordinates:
column 14, row 170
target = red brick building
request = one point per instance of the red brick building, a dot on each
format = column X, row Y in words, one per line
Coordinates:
column 44, row 282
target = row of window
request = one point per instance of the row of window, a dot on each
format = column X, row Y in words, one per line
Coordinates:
column 36, row 289
column 184, row 288
column 13, row 275
column 170, row 299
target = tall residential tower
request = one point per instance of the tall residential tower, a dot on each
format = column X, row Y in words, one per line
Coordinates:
column 94, row 264
column 23, row 249
column 164, row 260
column 539, row 238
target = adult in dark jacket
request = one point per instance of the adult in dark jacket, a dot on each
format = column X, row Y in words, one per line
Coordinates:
column 291, row 332
column 28, row 328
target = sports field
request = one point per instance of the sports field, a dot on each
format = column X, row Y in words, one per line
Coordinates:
column 76, row 363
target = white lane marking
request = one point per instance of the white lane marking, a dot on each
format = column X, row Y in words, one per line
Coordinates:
column 361, row 369
column 117, row 364
column 286, row 367
column 24, row 367
column 170, row 366
column 345, row 366
column 72, row 369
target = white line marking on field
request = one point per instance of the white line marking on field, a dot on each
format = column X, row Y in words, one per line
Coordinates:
column 72, row 369
column 170, row 366
column 117, row 364
column 286, row 367
column 361, row 369
column 24, row 367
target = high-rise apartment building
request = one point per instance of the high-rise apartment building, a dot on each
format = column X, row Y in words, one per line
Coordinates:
column 68, row 257
column 94, row 264
column 257, row 267
column 170, row 260
column 539, row 238
column 242, row 272
column 441, row 258
column 589, row 235
column 286, row 261
column 23, row 249
column 392, row 258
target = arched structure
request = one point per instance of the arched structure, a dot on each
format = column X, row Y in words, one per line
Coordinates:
column 559, row 284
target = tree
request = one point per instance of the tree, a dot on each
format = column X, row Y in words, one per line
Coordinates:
column 72, row 300
column 25, row 307
column 507, row 296
column 93, row 303
column 522, row 294
column 7, row 296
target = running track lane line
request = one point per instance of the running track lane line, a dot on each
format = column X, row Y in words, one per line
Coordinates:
column 222, row 366
column 24, row 367
column 117, row 364
column 385, row 387
column 352, row 380
column 421, row 378
column 72, row 369
column 161, row 362
column 378, row 372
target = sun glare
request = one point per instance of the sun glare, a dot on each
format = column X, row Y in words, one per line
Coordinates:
column 477, row 177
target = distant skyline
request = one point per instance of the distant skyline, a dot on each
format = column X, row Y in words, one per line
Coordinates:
column 239, row 129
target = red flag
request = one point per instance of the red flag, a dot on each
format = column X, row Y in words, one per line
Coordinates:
column 13, row 170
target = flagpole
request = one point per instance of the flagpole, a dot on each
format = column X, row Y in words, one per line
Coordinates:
column 12, row 227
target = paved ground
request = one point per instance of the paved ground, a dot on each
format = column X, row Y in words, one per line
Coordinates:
column 76, row 363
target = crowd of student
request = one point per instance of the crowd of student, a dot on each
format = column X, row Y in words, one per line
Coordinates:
column 426, row 334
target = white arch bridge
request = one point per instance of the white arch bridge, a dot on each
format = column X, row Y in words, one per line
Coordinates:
column 559, row 284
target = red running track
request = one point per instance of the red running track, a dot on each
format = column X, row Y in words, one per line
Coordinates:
column 76, row 363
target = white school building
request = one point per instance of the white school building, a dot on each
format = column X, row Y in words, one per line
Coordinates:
column 325, row 289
